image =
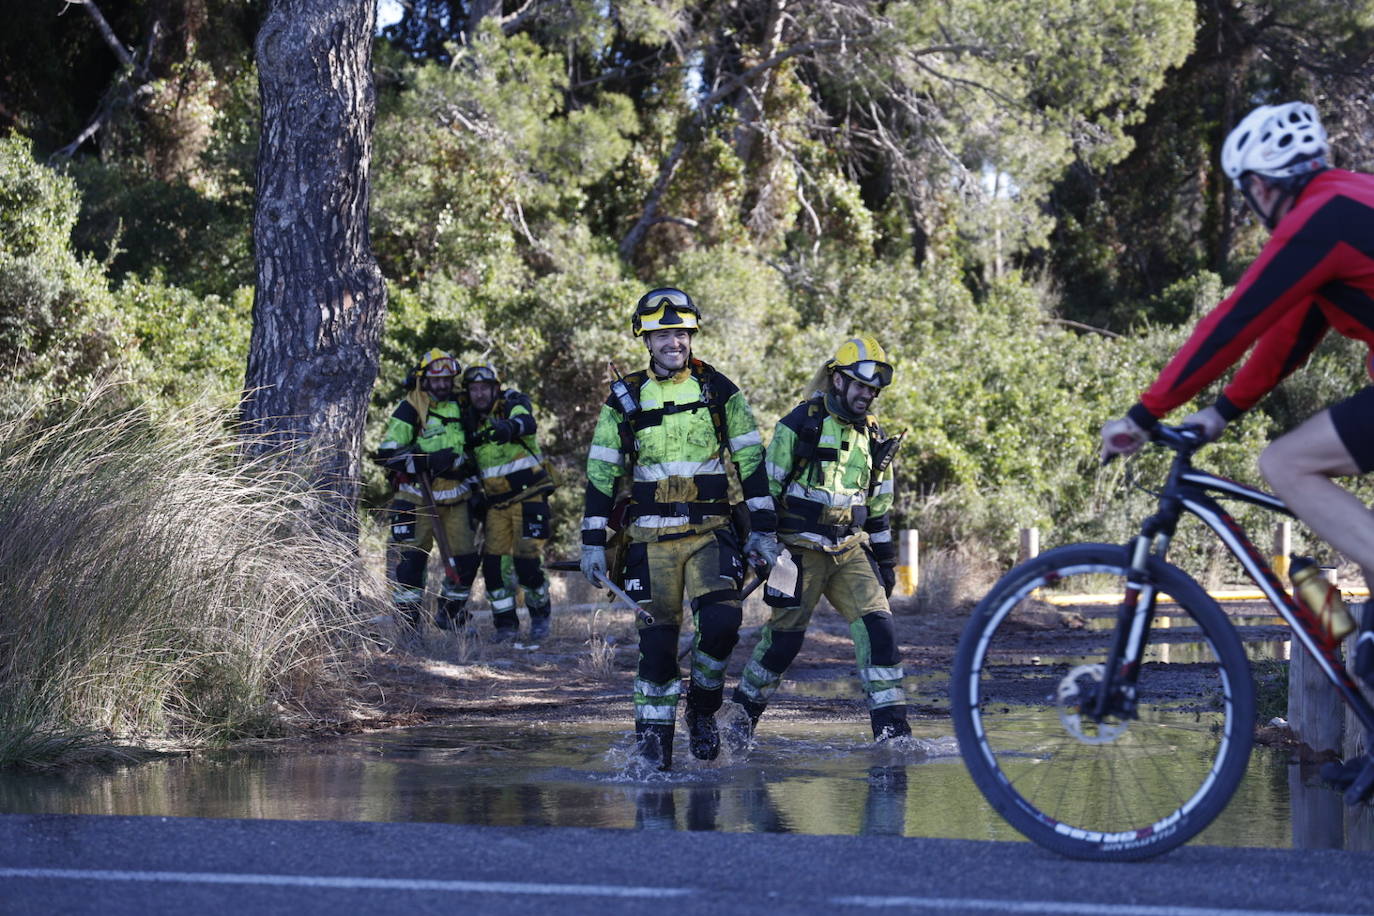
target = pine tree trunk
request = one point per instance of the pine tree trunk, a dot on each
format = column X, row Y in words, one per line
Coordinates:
column 320, row 300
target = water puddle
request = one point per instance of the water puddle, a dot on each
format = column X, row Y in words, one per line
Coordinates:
column 811, row 779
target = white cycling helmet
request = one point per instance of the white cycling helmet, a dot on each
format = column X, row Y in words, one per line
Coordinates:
column 1277, row 141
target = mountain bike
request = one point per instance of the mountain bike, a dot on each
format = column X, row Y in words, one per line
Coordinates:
column 1132, row 742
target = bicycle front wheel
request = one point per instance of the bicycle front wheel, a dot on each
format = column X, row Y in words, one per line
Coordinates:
column 1146, row 777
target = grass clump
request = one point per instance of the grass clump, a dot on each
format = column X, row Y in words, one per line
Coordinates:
column 157, row 585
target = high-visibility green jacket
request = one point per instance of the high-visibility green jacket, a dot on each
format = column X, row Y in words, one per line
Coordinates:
column 509, row 471
column 673, row 450
column 820, row 468
column 421, row 424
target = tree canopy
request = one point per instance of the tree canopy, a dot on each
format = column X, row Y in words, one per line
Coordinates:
column 1022, row 200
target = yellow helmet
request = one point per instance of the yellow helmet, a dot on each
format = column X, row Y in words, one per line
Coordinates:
column 437, row 364
column 663, row 309
column 482, row 373
column 863, row 359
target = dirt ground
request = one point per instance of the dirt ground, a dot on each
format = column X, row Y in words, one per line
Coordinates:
column 585, row 670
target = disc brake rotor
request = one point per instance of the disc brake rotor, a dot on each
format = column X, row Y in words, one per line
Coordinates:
column 1071, row 699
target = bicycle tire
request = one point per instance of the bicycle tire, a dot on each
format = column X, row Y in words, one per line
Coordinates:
column 1129, row 788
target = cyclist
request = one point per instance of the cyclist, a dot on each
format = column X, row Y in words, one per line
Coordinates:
column 1316, row 272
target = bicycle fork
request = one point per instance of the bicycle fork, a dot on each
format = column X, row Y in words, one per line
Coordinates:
column 1117, row 691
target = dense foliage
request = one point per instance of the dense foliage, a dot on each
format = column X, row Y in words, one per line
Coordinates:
column 1020, row 199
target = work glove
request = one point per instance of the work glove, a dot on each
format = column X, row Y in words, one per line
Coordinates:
column 1211, row 421
column 888, row 575
column 395, row 463
column 441, row 462
column 593, row 564
column 503, row 430
column 1121, row 437
column 761, row 548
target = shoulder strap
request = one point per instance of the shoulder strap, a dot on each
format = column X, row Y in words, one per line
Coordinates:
column 808, row 438
column 706, row 376
column 635, row 381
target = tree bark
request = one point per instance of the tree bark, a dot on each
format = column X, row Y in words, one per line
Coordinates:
column 320, row 298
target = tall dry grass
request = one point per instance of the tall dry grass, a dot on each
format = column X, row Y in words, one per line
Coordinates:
column 950, row 580
column 154, row 585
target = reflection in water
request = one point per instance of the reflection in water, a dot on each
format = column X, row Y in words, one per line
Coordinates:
column 815, row 779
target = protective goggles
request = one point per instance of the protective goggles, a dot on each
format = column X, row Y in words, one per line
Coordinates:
column 479, row 374
column 441, row 367
column 870, row 372
column 665, row 308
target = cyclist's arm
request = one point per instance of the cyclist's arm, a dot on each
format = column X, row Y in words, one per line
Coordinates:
column 1293, row 266
column 1281, row 350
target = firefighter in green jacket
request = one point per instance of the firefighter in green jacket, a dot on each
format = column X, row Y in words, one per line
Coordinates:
column 515, row 490
column 667, row 431
column 829, row 467
column 425, row 436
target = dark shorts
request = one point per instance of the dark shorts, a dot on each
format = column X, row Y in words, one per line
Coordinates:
column 1354, row 421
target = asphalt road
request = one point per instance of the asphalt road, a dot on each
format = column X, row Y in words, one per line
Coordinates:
column 113, row 865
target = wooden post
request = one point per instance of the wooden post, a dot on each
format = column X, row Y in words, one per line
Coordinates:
column 1030, row 545
column 908, row 561
column 1359, row 820
column 1283, row 546
column 1316, row 714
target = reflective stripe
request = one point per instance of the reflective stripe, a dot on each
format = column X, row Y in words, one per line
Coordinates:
column 666, row 469
column 826, row 498
column 502, row 600
column 761, row 503
column 882, row 674
column 672, row 689
column 893, row 697
column 886, row 487
column 750, row 438
column 827, row 440
column 774, row 471
column 594, row 522
column 662, row 521
column 510, row 467
column 645, row 712
column 606, row 454
column 454, row 593
column 390, row 444
column 881, row 537
column 707, row 672
column 450, row 494
column 406, row 595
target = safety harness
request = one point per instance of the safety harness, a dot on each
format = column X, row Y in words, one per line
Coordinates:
column 808, row 455
column 638, row 419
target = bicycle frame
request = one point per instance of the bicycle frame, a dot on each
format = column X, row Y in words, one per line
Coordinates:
column 1189, row 490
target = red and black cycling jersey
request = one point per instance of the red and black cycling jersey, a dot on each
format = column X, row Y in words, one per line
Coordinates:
column 1316, row 272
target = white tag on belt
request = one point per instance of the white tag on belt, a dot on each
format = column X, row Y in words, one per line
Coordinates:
column 783, row 578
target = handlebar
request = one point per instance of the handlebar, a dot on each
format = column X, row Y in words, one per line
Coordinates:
column 1185, row 439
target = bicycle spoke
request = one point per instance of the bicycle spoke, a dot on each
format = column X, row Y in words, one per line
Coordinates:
column 1064, row 777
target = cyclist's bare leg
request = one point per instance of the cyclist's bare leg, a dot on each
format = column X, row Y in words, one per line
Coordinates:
column 1299, row 466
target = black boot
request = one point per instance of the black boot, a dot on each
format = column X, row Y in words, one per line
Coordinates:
column 539, row 626
column 703, row 737
column 655, row 744
column 452, row 615
column 739, row 730
column 507, row 626
column 889, row 722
